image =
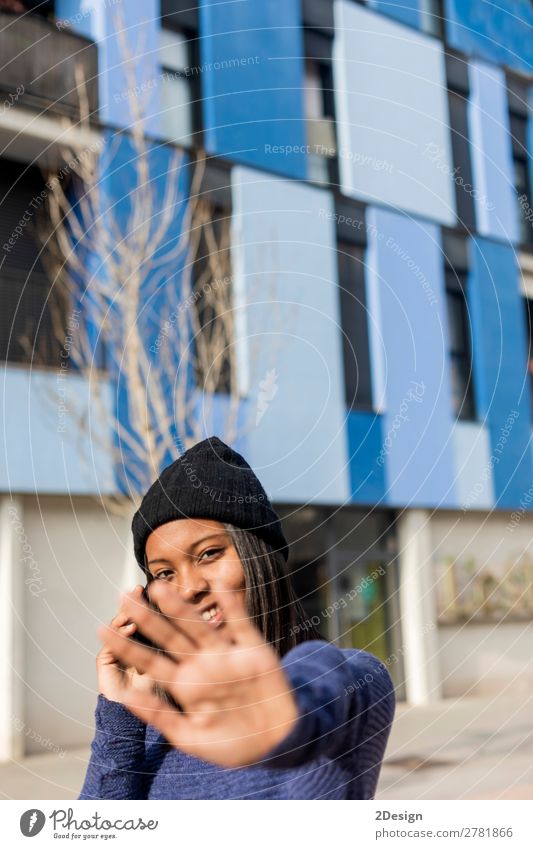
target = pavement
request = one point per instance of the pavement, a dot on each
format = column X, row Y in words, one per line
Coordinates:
column 469, row 748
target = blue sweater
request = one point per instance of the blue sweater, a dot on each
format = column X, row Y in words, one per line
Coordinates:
column 346, row 705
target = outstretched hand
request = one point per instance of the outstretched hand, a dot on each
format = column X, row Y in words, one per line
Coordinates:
column 236, row 700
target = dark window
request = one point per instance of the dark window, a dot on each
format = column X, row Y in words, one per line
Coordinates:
column 320, row 104
column 432, row 14
column 455, row 250
column 180, row 69
column 318, row 15
column 528, row 303
column 180, row 15
column 354, row 320
column 212, row 318
column 458, row 93
column 456, row 270
column 518, row 117
column 44, row 8
column 28, row 302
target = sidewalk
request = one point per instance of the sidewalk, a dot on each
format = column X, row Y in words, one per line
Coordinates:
column 472, row 748
column 475, row 748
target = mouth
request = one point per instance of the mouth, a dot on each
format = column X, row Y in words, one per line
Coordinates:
column 212, row 615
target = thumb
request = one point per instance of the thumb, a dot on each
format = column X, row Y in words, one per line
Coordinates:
column 105, row 656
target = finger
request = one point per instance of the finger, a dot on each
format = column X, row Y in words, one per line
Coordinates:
column 158, row 666
column 121, row 618
column 185, row 617
column 238, row 623
column 158, row 628
column 127, row 629
column 137, row 593
column 105, row 656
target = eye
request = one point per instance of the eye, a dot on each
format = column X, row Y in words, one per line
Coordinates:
column 211, row 553
column 162, row 574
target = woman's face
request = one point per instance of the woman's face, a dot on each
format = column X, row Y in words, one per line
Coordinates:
column 198, row 558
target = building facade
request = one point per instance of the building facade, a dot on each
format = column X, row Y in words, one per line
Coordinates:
column 373, row 160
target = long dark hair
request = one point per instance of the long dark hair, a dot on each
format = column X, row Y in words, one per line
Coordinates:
column 271, row 601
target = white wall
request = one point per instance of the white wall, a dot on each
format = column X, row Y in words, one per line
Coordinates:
column 478, row 660
column 81, row 557
column 392, row 114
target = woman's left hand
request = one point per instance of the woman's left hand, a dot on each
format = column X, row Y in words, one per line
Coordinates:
column 237, row 702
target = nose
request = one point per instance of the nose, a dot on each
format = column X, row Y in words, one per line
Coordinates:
column 192, row 585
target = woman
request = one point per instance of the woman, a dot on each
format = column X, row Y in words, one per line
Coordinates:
column 213, row 687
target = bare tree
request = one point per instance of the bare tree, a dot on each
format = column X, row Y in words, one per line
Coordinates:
column 169, row 344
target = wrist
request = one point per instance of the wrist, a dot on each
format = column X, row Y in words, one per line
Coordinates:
column 284, row 718
column 111, row 712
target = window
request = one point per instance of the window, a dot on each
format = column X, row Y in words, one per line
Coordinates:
column 460, row 353
column 180, row 83
column 44, row 8
column 432, row 17
column 319, row 92
column 214, row 350
column 458, row 93
column 518, row 118
column 354, row 320
column 176, row 88
column 528, row 303
column 26, row 326
column 460, row 350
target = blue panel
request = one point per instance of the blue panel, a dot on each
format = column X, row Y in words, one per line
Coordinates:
column 74, row 15
column 126, row 89
column 392, row 120
column 491, row 152
column 406, row 290
column 287, row 336
column 405, row 11
column 216, row 415
column 365, row 439
column 252, row 78
column 499, row 349
column 498, row 32
column 44, row 448
column 158, row 315
column 473, row 469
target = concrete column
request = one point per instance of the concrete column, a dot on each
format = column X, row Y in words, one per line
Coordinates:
column 418, row 608
column 11, row 629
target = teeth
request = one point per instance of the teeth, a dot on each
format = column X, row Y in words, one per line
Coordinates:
column 209, row 614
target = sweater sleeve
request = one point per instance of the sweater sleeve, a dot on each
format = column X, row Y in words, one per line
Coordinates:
column 345, row 700
column 115, row 769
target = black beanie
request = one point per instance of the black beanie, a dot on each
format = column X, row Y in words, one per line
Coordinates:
column 209, row 481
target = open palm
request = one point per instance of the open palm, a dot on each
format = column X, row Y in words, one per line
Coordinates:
column 236, row 701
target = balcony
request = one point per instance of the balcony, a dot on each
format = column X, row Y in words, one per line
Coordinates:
column 38, row 67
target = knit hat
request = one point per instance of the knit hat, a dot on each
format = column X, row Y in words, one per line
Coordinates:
column 209, row 481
